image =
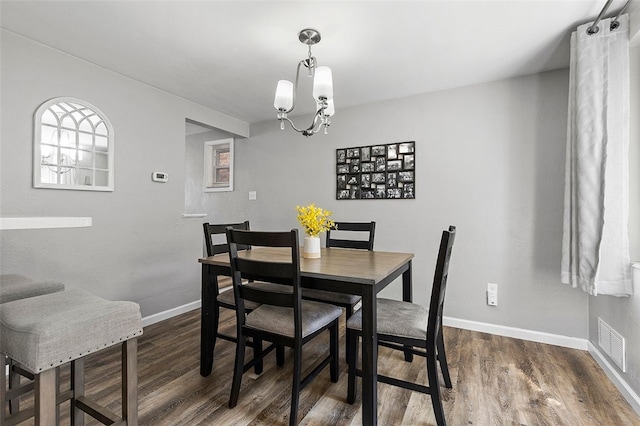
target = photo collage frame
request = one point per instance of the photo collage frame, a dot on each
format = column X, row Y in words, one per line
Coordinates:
column 376, row 172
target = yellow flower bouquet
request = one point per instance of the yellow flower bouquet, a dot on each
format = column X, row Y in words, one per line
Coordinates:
column 314, row 219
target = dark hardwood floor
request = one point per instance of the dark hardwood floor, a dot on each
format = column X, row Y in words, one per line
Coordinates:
column 497, row 381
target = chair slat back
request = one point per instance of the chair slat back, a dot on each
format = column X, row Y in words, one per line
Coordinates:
column 440, row 285
column 363, row 244
column 281, row 272
column 211, row 230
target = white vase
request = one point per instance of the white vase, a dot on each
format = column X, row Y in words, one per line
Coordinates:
column 311, row 249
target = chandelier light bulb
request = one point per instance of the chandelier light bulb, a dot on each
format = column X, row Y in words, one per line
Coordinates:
column 284, row 96
column 323, row 83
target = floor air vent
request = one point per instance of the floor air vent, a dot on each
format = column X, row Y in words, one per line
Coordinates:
column 612, row 343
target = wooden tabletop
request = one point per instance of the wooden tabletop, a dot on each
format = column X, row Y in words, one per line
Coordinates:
column 356, row 266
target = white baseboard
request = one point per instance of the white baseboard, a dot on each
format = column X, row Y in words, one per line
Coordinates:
column 170, row 313
column 629, row 394
column 518, row 333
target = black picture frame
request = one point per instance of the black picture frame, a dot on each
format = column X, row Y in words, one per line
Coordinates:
column 376, row 172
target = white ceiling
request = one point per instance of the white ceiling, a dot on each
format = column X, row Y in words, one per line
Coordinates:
column 229, row 55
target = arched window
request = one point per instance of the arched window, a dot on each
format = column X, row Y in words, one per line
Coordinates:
column 72, row 146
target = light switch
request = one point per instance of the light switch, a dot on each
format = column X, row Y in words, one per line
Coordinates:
column 253, row 195
column 159, row 177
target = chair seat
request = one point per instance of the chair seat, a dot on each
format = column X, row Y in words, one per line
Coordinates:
column 279, row 320
column 227, row 297
column 330, row 297
column 396, row 318
column 46, row 331
column 16, row 287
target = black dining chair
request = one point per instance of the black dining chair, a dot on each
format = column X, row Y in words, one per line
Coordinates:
column 225, row 299
column 337, row 238
column 407, row 326
column 347, row 301
column 368, row 229
column 282, row 317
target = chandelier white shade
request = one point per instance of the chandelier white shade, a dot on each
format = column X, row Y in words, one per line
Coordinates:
column 285, row 97
column 322, row 84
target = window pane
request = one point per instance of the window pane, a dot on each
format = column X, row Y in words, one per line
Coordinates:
column 49, row 154
column 48, row 174
column 102, row 143
column 86, row 141
column 223, row 158
column 222, row 175
column 102, row 161
column 68, row 138
column 85, row 177
column 49, row 135
column 85, row 126
column 102, row 178
column 101, row 129
column 68, row 176
column 68, row 122
column 49, row 118
column 67, row 157
column 85, row 159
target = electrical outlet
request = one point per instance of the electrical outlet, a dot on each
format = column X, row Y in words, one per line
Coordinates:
column 492, row 294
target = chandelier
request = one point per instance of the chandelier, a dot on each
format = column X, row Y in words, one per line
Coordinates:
column 285, row 99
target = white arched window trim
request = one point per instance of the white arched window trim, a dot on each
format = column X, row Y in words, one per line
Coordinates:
column 73, row 146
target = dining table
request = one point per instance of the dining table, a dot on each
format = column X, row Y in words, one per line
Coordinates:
column 358, row 272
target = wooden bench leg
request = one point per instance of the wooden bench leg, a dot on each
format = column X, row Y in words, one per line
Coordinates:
column 3, row 388
column 57, row 393
column 130, row 382
column 77, row 387
column 45, row 398
column 14, row 382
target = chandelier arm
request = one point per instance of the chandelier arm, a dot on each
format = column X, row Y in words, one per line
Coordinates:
column 311, row 130
column 295, row 88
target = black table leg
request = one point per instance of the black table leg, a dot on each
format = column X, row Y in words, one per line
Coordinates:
column 206, row 320
column 407, row 296
column 369, row 358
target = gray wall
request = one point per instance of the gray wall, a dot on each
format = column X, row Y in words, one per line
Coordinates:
column 489, row 159
column 139, row 247
column 623, row 314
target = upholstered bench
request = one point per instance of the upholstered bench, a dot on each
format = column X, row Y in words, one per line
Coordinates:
column 16, row 287
column 41, row 333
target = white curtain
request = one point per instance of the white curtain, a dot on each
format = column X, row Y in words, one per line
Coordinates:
column 595, row 241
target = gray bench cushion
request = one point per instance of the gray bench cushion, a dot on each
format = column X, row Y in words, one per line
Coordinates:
column 16, row 287
column 43, row 332
column 396, row 318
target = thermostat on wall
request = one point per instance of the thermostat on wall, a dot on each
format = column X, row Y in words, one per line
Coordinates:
column 159, row 177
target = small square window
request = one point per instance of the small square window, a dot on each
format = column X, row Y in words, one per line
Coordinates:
column 218, row 166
